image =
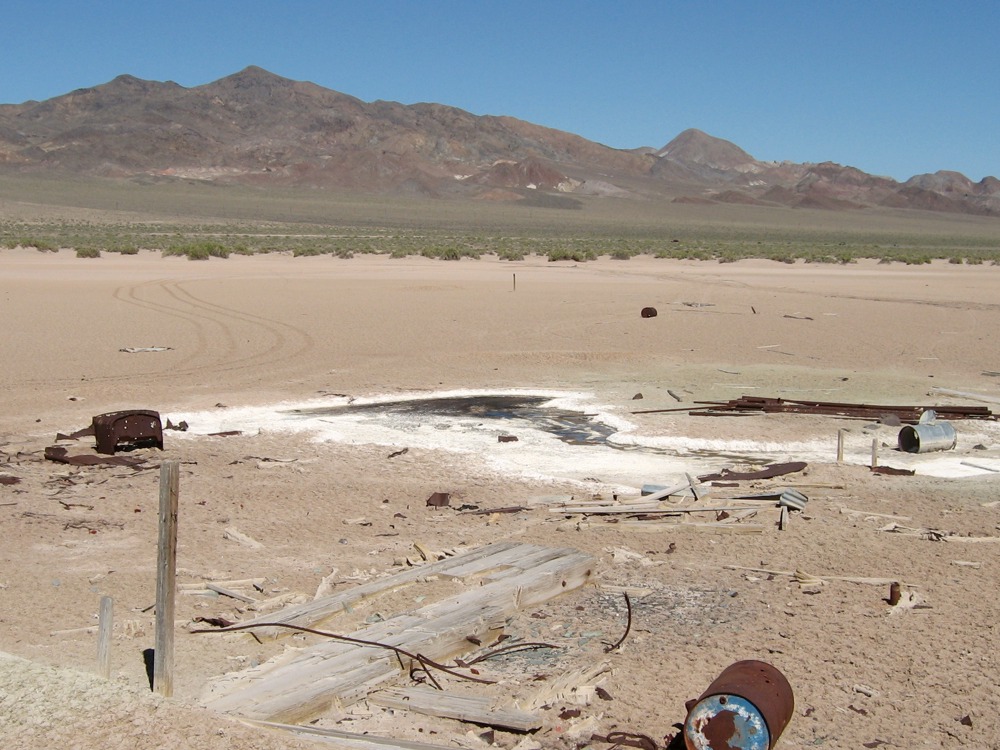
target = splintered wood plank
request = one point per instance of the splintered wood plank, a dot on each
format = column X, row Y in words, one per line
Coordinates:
column 350, row 739
column 299, row 686
column 310, row 614
column 476, row 709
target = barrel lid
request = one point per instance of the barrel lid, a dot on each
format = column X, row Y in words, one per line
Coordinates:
column 725, row 722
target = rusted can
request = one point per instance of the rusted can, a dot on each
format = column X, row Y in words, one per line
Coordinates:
column 747, row 707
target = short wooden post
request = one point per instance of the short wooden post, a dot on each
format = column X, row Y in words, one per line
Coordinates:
column 840, row 445
column 166, row 581
column 875, row 453
column 105, row 626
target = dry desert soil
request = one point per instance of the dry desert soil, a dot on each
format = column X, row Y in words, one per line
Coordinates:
column 280, row 515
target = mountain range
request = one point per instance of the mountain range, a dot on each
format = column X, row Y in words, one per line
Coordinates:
column 258, row 128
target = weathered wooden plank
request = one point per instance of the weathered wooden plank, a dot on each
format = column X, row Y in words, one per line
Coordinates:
column 476, row 709
column 340, row 738
column 562, row 687
column 312, row 613
column 309, row 681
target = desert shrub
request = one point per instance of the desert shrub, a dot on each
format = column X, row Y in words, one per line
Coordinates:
column 198, row 250
column 511, row 254
column 127, row 250
column 565, row 253
column 399, row 252
column 42, row 246
column 621, row 253
column 88, row 252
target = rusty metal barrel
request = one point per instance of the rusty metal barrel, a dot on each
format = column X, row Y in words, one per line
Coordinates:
column 747, row 707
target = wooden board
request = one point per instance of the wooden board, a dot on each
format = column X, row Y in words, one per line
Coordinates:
column 310, row 614
column 476, row 709
column 301, row 684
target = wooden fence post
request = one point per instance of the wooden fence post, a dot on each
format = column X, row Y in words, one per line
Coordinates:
column 166, row 581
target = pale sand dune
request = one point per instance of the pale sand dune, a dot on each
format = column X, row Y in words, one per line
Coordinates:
column 250, row 332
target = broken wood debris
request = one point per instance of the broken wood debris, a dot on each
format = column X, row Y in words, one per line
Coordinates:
column 349, row 739
column 297, row 687
column 808, row 579
column 478, row 563
column 935, row 535
column 473, row 709
column 770, row 405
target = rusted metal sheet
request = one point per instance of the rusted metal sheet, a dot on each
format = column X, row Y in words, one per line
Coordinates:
column 439, row 499
column 768, row 472
column 892, row 472
column 60, row 455
column 136, row 428
column 747, row 707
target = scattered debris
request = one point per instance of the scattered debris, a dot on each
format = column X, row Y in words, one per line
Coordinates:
column 238, row 536
column 127, row 430
column 769, row 472
column 891, row 472
column 506, row 438
column 935, row 535
column 60, row 455
column 768, row 405
column 807, row 579
column 143, row 349
column 648, row 312
column 439, row 500
column 400, row 452
column 349, row 668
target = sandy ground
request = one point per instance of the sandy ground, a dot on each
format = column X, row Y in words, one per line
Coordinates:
column 250, row 333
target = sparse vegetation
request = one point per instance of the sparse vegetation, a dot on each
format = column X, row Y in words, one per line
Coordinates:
column 318, row 223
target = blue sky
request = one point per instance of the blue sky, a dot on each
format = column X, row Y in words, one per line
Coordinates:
column 893, row 88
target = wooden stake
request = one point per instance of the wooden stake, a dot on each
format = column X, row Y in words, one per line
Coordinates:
column 166, row 581
column 840, row 446
column 104, row 629
column 874, row 453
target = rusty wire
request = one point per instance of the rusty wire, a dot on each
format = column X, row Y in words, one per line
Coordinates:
column 628, row 626
column 424, row 661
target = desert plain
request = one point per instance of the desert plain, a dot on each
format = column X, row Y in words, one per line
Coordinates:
column 235, row 343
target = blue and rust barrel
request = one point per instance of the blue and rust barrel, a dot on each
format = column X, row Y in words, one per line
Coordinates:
column 747, row 707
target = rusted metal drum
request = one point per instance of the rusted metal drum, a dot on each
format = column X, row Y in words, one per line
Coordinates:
column 747, row 707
